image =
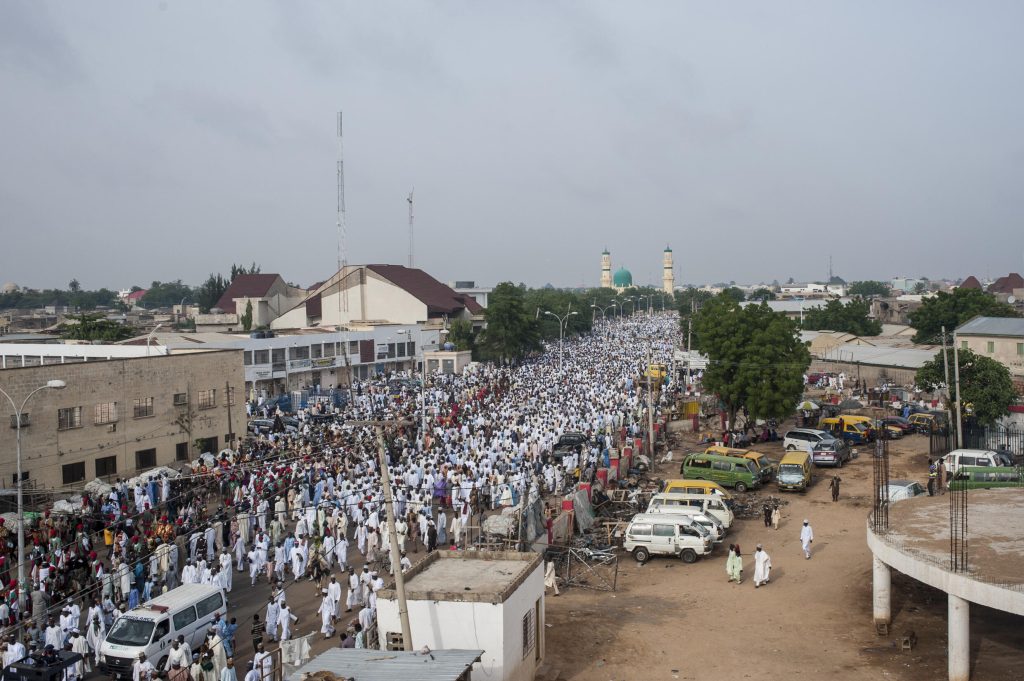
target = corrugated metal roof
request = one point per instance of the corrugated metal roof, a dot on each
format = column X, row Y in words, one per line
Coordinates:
column 384, row 665
column 992, row 326
column 886, row 356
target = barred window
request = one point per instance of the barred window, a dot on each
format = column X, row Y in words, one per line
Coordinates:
column 231, row 397
column 207, row 399
column 104, row 413
column 142, row 407
column 529, row 633
column 69, row 417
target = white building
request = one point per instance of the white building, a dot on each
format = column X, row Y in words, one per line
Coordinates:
column 490, row 600
column 362, row 294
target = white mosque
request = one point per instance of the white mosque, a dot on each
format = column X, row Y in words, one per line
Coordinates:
column 623, row 278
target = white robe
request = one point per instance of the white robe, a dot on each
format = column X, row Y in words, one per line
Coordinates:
column 762, row 567
column 326, row 611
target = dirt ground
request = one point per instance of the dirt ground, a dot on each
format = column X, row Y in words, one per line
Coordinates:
column 669, row 620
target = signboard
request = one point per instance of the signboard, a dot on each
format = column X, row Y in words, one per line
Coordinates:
column 382, row 350
column 322, row 362
column 298, row 364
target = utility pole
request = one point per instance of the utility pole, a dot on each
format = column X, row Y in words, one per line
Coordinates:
column 389, row 507
column 409, row 199
column 650, row 407
column 227, row 404
column 956, row 378
column 945, row 369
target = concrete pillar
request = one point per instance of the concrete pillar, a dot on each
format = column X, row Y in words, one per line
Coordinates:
column 882, row 592
column 959, row 639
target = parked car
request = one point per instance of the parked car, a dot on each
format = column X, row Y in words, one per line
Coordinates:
column 260, row 426
column 831, row 453
column 905, row 489
column 568, row 443
column 892, row 422
column 798, row 438
column 728, row 471
column 667, row 535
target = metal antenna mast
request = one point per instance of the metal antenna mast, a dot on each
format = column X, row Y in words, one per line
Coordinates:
column 342, row 227
column 409, row 199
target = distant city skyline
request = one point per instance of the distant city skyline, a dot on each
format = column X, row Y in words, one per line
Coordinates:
column 156, row 141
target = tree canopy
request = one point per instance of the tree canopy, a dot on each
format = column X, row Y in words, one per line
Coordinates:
column 868, row 288
column 850, row 317
column 762, row 294
column 986, row 387
column 94, row 327
column 756, row 359
column 512, row 331
column 953, row 309
column 209, row 292
column 77, row 299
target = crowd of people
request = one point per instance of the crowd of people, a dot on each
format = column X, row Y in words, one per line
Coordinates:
column 308, row 504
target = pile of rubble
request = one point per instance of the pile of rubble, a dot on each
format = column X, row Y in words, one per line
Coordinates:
column 752, row 505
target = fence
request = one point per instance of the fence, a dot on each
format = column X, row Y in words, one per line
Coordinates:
column 996, row 438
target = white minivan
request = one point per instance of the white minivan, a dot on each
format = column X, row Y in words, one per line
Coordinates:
column 711, row 504
column 969, row 457
column 187, row 610
column 664, row 534
column 710, row 522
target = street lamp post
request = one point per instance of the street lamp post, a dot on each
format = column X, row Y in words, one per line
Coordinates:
column 647, row 298
column 149, row 336
column 562, row 321
column 54, row 384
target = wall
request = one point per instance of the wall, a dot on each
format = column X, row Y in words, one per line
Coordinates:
column 46, row 450
column 495, row 629
column 1004, row 350
column 874, row 375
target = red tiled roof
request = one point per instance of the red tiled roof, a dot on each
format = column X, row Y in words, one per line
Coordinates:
column 438, row 298
column 1007, row 284
column 246, row 286
column 971, row 282
column 137, row 295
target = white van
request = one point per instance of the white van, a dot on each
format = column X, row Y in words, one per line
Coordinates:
column 187, row 610
column 710, row 522
column 664, row 534
column 969, row 457
column 798, row 438
column 711, row 504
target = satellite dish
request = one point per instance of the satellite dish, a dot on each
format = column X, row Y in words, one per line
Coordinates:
column 1011, row 300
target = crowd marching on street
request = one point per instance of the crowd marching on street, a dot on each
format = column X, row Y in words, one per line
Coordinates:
column 308, row 505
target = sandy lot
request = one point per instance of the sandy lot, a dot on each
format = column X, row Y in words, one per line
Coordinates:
column 668, row 620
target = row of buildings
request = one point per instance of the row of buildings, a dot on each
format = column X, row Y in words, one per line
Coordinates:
column 163, row 398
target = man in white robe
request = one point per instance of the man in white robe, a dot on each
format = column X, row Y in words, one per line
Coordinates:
column 762, row 567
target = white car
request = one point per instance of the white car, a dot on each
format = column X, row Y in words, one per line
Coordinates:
column 797, row 439
column 905, row 489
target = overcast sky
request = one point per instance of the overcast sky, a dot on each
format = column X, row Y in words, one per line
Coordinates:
column 159, row 140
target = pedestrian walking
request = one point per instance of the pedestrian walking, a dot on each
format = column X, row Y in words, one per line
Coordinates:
column 767, row 511
column 762, row 567
column 734, row 564
column 806, row 538
column 834, row 487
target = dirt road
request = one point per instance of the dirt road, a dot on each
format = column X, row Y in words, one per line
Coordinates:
column 669, row 620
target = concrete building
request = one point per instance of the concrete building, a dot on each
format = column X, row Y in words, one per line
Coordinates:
column 15, row 355
column 448, row 361
column 269, row 295
column 119, row 417
column 378, row 294
column 916, row 545
column 999, row 338
column 469, row 288
column 794, row 309
column 366, row 664
column 490, row 600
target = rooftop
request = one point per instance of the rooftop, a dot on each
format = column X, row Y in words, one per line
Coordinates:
column 479, row 576
column 992, row 326
column 378, row 665
column 996, row 520
column 246, row 286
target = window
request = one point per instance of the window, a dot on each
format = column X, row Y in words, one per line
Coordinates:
column 400, row 350
column 105, row 466
column 180, row 399
column 184, row 618
column 209, row 604
column 162, row 629
column 207, row 399
column 353, row 347
column 73, row 472
column 231, row 397
column 642, row 529
column 664, row 531
column 990, row 346
column 1020, row 349
column 228, row 439
column 529, row 633
column 700, row 463
column 68, row 418
column 104, row 413
column 247, row 358
column 261, row 357
column 316, row 351
column 142, row 407
column 208, row 444
column 299, row 352
column 410, row 347
column 963, row 345
column 329, row 349
column 181, row 451
column 145, row 458
column 721, row 466
column 391, row 350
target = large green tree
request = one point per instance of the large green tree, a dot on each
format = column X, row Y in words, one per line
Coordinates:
column 986, row 387
column 512, row 330
column 460, row 333
column 868, row 288
column 161, row 294
column 756, row 358
column 247, row 316
column 851, row 317
column 209, row 292
column 94, row 327
column 953, row 309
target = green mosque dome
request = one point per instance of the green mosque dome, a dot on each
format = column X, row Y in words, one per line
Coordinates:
column 622, row 278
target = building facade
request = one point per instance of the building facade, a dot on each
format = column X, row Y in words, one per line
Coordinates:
column 999, row 338
column 668, row 276
column 120, row 417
